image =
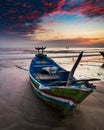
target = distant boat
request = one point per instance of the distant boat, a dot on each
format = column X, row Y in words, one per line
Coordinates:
column 102, row 53
column 55, row 85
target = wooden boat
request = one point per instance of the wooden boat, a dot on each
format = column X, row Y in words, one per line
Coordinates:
column 57, row 86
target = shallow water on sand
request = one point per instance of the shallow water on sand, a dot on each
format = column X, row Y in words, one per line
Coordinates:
column 21, row 110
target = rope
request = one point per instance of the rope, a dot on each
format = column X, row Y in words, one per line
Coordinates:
column 99, row 91
column 98, row 98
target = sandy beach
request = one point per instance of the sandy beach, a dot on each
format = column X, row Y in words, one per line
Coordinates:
column 21, row 110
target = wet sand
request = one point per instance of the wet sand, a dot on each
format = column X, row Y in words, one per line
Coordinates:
column 21, row 110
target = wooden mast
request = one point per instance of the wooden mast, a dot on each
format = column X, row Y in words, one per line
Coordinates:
column 73, row 69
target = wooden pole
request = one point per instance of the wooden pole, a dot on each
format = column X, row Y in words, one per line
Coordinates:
column 73, row 69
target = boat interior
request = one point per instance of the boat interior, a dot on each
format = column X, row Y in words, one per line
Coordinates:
column 51, row 76
column 48, row 72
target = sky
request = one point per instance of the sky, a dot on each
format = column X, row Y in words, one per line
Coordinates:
column 61, row 23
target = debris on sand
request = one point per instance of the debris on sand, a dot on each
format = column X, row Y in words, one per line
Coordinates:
column 17, row 66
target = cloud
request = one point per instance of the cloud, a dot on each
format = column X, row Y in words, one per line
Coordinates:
column 78, row 42
column 43, row 30
column 23, row 16
column 92, row 9
column 89, row 8
column 86, row 40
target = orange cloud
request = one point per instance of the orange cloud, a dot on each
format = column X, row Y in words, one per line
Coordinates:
column 87, row 41
column 77, row 42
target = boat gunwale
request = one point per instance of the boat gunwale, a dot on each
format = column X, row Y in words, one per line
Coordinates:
column 59, row 87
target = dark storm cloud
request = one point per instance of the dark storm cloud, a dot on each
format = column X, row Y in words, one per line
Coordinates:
column 23, row 16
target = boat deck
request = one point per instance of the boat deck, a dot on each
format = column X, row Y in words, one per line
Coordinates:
column 40, row 76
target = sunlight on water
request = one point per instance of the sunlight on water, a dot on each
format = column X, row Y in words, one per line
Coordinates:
column 90, row 65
